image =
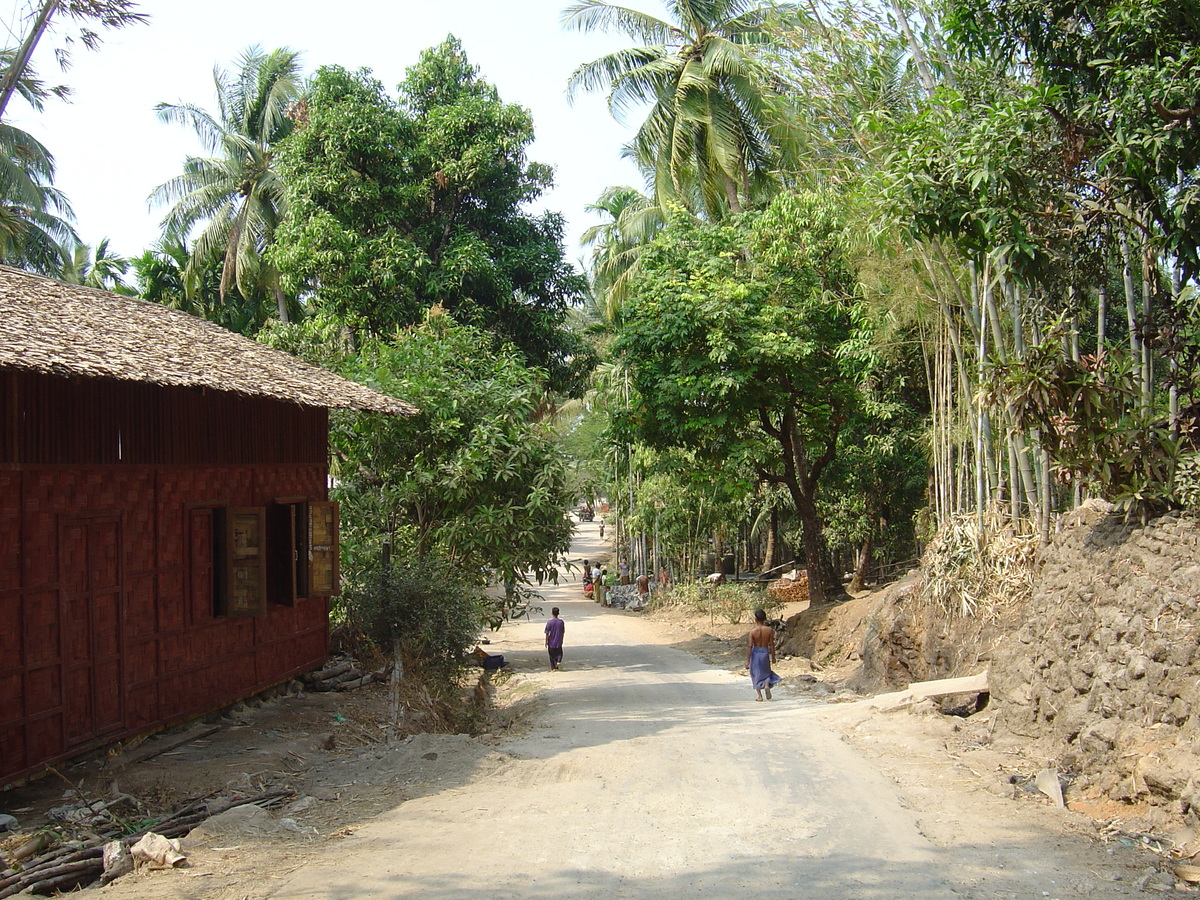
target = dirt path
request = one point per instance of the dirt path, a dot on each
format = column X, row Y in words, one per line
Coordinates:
column 649, row 774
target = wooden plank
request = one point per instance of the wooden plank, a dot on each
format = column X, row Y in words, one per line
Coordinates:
column 921, row 690
column 163, row 745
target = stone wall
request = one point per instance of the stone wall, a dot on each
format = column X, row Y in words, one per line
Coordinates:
column 1103, row 676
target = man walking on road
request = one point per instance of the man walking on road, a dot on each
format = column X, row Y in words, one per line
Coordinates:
column 760, row 653
column 555, row 629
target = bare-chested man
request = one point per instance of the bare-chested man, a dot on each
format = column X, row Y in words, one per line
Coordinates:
column 760, row 653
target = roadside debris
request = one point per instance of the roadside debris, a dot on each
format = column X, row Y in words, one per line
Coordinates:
column 1047, row 782
column 74, row 854
column 489, row 661
column 156, row 850
column 625, row 596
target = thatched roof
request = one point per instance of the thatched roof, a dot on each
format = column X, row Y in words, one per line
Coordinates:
column 64, row 329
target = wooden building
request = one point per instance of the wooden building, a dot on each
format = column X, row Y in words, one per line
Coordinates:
column 166, row 547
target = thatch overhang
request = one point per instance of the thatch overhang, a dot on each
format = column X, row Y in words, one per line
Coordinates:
column 67, row 330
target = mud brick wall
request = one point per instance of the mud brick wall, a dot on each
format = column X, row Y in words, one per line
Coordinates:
column 1104, row 674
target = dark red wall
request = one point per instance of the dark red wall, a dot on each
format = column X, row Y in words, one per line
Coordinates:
column 106, row 611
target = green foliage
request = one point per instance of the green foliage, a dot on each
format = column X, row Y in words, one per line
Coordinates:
column 423, row 606
column 1124, row 78
column 35, row 217
column 712, row 340
column 98, row 268
column 976, row 166
column 632, row 221
column 473, row 479
column 1187, row 482
column 744, row 336
column 1090, row 417
column 398, row 205
column 167, row 274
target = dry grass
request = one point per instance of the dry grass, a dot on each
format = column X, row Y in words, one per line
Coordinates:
column 978, row 568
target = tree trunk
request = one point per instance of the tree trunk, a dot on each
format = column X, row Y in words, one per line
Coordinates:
column 731, row 195
column 281, row 303
column 772, row 541
column 862, row 569
column 1131, row 310
column 21, row 62
column 918, row 52
column 1148, row 265
column 823, row 585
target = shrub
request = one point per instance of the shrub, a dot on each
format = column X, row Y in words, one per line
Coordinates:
column 432, row 615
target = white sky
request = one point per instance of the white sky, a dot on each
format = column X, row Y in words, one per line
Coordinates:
column 111, row 150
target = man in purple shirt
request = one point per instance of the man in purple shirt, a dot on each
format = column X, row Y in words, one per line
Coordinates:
column 555, row 629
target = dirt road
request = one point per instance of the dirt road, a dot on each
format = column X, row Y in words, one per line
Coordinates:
column 649, row 774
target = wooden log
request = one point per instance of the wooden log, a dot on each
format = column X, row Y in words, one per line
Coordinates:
column 331, row 672
column 55, row 878
column 331, row 684
column 355, row 683
column 31, row 847
column 50, row 860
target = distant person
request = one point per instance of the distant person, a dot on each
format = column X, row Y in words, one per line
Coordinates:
column 643, row 584
column 760, row 654
column 555, row 629
column 602, row 587
column 601, row 528
column 624, row 568
column 664, row 579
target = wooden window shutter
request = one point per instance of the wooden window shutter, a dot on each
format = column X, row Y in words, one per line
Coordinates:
column 323, row 549
column 240, row 533
column 288, row 552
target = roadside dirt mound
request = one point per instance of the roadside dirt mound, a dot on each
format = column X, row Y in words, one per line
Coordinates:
column 894, row 636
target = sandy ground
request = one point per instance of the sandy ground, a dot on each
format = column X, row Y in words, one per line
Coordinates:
column 642, row 771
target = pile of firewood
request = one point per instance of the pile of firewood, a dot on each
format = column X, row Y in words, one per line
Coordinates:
column 341, row 674
column 50, row 861
column 787, row 591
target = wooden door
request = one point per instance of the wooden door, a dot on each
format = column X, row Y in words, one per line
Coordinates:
column 90, row 556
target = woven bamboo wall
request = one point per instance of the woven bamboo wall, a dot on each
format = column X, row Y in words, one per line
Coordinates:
column 106, row 611
column 72, row 420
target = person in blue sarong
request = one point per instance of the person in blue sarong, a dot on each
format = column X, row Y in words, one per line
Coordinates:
column 760, row 653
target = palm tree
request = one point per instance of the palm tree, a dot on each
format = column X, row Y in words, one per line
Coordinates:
column 633, row 219
column 35, row 217
column 101, row 269
column 713, row 130
column 165, row 274
column 235, row 196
